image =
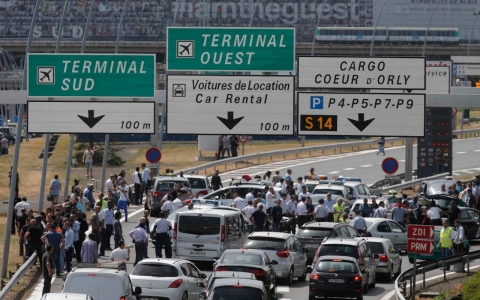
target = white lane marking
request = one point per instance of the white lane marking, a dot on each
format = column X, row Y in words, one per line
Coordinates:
column 455, row 174
column 401, row 160
column 283, row 289
column 460, row 152
column 392, row 293
column 476, row 150
column 334, row 172
column 366, row 166
column 467, row 171
column 348, row 169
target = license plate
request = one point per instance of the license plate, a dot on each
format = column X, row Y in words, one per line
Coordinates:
column 143, row 298
column 336, row 280
column 199, row 253
column 312, row 246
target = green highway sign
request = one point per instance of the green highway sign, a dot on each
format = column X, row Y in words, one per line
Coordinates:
column 91, row 75
column 230, row 49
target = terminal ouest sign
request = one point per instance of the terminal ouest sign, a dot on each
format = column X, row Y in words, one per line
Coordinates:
column 230, row 49
column 91, row 75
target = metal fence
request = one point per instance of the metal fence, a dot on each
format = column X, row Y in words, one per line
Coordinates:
column 18, row 275
column 401, row 284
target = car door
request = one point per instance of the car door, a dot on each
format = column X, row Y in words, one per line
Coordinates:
column 194, row 277
column 399, row 234
column 268, row 264
column 302, row 256
column 370, row 261
column 394, row 256
column 353, row 233
column 292, row 248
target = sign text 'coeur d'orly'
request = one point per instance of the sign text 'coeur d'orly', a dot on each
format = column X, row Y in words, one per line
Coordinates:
column 230, row 49
column 91, row 75
column 332, row 72
column 261, row 105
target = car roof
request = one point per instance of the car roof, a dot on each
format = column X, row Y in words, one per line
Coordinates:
column 212, row 211
column 330, row 186
column 320, row 224
column 341, row 240
column 98, row 271
column 68, row 296
column 240, row 251
column 373, row 239
column 376, row 220
column 331, row 257
column 165, row 261
column 235, row 281
column 280, row 235
column 195, row 176
column 176, row 178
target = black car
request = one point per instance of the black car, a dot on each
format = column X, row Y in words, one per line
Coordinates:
column 222, row 275
column 312, row 234
column 8, row 134
column 236, row 289
column 250, row 261
column 336, row 276
column 469, row 221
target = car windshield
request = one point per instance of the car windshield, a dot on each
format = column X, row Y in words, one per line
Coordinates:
column 339, row 250
column 326, row 191
column 264, row 243
column 237, row 292
column 241, row 259
column 197, row 183
column 167, row 184
column 315, row 233
column 337, row 266
column 155, row 270
column 199, row 225
column 311, row 186
column 376, row 247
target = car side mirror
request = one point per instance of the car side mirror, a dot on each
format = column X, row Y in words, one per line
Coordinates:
column 200, row 284
column 376, row 256
column 138, row 291
column 202, row 295
column 203, row 275
column 309, row 269
column 274, row 262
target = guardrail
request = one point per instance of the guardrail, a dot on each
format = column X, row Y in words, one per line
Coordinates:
column 401, row 281
column 402, row 186
column 246, row 158
column 18, row 275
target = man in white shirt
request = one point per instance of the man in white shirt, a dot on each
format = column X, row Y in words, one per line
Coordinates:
column 22, row 205
column 304, row 193
column 330, row 202
column 162, row 228
column 145, row 177
column 280, row 183
column 270, row 199
column 167, row 205
column 177, row 203
column 283, row 203
column 250, row 196
column 434, row 214
column 137, row 180
column 247, row 211
column 168, row 195
column 120, row 254
column 321, row 211
column 83, row 201
column 359, row 223
column 301, row 213
column 238, row 202
column 380, row 212
column 123, row 200
column 300, row 185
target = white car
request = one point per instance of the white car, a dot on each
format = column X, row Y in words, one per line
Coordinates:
column 389, row 229
column 62, row 296
column 168, row 279
column 335, row 188
column 199, row 184
column 285, row 249
column 387, row 257
column 357, row 203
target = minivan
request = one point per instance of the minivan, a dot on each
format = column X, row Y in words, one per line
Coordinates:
column 203, row 235
column 105, row 284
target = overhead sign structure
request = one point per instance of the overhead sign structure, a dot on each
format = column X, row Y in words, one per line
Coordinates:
column 420, row 246
column 338, row 72
column 390, row 165
column 230, row 49
column 91, row 117
column 203, row 104
column 361, row 114
column 91, row 75
column 153, row 155
column 420, row 231
column 467, row 70
column 438, row 81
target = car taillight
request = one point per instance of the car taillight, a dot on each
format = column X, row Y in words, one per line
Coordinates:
column 283, row 253
column 174, row 231
column 259, row 272
column 314, row 277
column 361, row 259
column 203, row 192
column 383, row 258
column 223, row 233
column 175, row 284
column 357, row 279
column 220, row 269
column 316, row 255
column 123, row 298
column 244, row 248
column 158, row 194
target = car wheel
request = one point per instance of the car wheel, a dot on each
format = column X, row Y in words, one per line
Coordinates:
column 185, row 296
column 390, row 275
column 365, row 287
column 372, row 285
column 289, row 279
column 399, row 270
column 304, row 275
column 360, row 297
column 311, row 297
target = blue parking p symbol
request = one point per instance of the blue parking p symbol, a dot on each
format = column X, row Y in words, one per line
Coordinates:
column 316, row 102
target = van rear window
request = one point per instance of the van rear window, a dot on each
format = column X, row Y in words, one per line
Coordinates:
column 339, row 250
column 264, row 243
column 197, row 183
column 199, row 225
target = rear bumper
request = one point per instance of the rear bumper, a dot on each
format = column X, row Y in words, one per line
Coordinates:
column 282, row 269
column 335, row 290
column 382, row 269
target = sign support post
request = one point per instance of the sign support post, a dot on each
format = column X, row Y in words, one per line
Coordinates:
column 414, row 274
column 104, row 164
column 69, row 167
column 44, row 172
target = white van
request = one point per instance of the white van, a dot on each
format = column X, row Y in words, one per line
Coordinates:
column 62, row 296
column 205, row 234
column 105, row 284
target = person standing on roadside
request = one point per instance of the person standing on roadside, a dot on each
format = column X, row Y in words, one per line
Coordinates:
column 140, row 236
column 4, row 143
column 321, row 211
column 220, row 146
column 117, row 229
column 276, row 216
column 69, row 248
column 226, row 146
column 381, row 145
column 48, row 265
column 234, row 145
column 161, row 227
column 55, row 188
column 88, row 161
column 137, row 180
column 447, row 235
column 123, row 200
column 247, row 211
column 259, row 219
column 145, row 177
column 56, row 240
column 216, row 181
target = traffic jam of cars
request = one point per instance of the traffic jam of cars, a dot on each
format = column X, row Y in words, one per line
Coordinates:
column 259, row 233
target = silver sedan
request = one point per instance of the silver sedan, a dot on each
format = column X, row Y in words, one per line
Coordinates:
column 389, row 229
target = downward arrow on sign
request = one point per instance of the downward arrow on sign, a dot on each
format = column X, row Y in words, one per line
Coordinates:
column 91, row 120
column 361, row 124
column 230, row 122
